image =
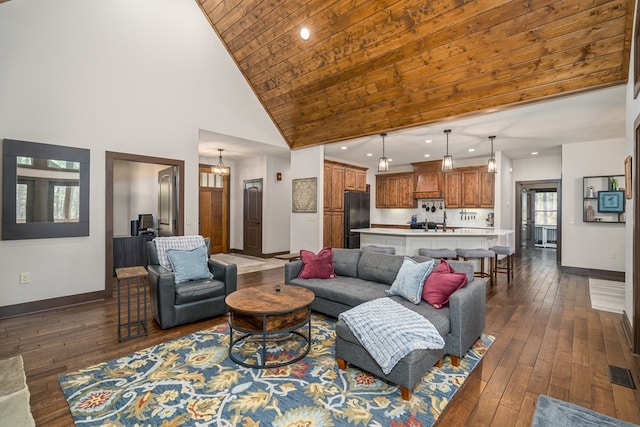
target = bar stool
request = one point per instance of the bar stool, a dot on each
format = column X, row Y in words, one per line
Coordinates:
column 508, row 252
column 480, row 254
column 438, row 253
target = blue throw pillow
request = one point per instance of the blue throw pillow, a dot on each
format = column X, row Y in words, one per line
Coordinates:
column 189, row 264
column 410, row 279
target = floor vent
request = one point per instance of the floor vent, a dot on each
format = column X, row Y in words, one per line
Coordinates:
column 621, row 376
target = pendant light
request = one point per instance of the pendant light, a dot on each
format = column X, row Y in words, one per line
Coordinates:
column 220, row 168
column 383, row 162
column 491, row 165
column 447, row 160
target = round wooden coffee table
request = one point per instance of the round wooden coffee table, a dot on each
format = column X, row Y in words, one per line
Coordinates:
column 264, row 311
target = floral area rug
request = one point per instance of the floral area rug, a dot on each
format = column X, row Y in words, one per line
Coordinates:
column 191, row 381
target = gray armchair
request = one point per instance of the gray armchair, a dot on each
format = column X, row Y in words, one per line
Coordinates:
column 175, row 304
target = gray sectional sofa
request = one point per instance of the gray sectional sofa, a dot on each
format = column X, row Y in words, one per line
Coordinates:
column 365, row 275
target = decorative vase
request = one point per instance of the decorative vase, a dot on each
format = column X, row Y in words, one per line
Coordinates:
column 589, row 213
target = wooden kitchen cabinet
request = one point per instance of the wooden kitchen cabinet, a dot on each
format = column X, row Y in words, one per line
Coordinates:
column 487, row 189
column 469, row 181
column 453, row 189
column 333, row 231
column 361, row 180
column 326, row 194
column 337, row 187
column 338, row 177
column 349, row 179
column 395, row 191
column 469, row 187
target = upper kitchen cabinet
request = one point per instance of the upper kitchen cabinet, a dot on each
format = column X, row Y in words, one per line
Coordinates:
column 487, row 188
column 339, row 177
column 337, row 187
column 453, row 189
column 327, row 187
column 355, row 179
column 469, row 187
column 395, row 191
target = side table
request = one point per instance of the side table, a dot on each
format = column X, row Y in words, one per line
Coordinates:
column 140, row 275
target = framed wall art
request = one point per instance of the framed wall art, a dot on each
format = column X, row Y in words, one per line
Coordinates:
column 610, row 201
column 304, row 198
column 627, row 177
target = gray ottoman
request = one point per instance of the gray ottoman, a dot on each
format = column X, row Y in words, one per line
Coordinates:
column 406, row 374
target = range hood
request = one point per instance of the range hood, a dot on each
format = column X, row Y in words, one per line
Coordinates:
column 428, row 186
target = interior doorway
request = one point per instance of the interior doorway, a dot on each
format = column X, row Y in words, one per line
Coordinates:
column 213, row 209
column 538, row 219
column 110, row 190
column 252, row 228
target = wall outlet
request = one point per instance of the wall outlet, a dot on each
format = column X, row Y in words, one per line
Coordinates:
column 612, row 255
column 25, row 278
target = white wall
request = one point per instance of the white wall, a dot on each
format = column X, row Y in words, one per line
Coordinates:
column 127, row 76
column 504, row 202
column 306, row 228
column 277, row 206
column 276, row 202
column 588, row 245
column 633, row 111
column 536, row 168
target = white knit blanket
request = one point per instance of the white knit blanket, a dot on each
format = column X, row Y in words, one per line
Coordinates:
column 185, row 243
column 389, row 331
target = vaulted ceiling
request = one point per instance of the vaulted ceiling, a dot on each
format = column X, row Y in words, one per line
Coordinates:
column 373, row 66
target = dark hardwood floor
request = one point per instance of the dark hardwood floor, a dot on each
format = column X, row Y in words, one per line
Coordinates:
column 549, row 341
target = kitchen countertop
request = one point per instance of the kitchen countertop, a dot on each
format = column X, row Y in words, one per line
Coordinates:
column 449, row 226
column 478, row 232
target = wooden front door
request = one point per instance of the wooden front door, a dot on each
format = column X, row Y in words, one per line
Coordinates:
column 253, row 217
column 213, row 209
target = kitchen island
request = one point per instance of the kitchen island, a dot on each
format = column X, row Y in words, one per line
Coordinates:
column 407, row 242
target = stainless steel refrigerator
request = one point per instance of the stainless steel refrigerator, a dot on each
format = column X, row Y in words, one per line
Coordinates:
column 356, row 215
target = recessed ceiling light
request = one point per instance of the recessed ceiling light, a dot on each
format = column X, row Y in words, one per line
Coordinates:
column 427, row 155
column 428, row 141
column 305, row 33
column 471, row 150
column 369, row 154
column 343, row 148
column 534, row 153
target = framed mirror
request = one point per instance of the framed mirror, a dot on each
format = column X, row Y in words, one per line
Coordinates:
column 45, row 191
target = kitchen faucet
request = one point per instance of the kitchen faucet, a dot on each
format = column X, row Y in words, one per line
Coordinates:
column 444, row 223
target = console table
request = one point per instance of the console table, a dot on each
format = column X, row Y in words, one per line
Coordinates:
column 129, row 251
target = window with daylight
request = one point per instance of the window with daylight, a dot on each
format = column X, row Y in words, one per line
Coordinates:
column 546, row 208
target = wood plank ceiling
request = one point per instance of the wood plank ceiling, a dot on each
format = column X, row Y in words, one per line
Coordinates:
column 373, row 66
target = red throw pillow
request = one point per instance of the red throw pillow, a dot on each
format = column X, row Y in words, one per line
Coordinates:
column 441, row 283
column 318, row 266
